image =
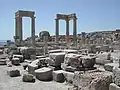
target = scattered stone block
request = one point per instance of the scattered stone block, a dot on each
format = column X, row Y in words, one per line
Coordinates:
column 32, row 68
column 44, row 74
column 70, row 69
column 1, row 52
column 64, row 66
column 20, row 57
column 113, row 86
column 102, row 61
column 56, row 59
column 28, row 78
column 13, row 73
column 109, row 66
column 87, row 61
column 116, row 75
column 2, row 61
column 68, row 76
column 15, row 61
column 58, row 76
column 72, row 59
column 92, row 80
column 42, row 62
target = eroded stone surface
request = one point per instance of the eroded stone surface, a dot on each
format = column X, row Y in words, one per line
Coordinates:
column 15, row 61
column 113, row 86
column 28, row 78
column 56, row 59
column 116, row 75
column 44, row 74
column 13, row 73
column 93, row 80
column 110, row 66
column 58, row 76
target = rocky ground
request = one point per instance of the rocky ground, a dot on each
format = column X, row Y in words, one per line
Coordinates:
column 15, row 83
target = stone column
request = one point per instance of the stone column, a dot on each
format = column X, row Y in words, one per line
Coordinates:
column 75, row 31
column 45, row 45
column 33, row 31
column 20, row 29
column 67, row 31
column 16, row 29
column 57, row 30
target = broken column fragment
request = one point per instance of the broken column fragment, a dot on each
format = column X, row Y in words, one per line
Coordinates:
column 44, row 74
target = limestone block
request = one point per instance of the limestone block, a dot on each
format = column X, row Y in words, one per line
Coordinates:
column 113, row 86
column 64, row 66
column 72, row 59
column 68, row 76
column 56, row 59
column 109, row 66
column 27, row 51
column 42, row 62
column 103, row 55
column 13, row 73
column 92, row 80
column 28, row 78
column 87, row 61
column 32, row 68
column 101, row 83
column 102, row 61
column 44, row 74
column 1, row 51
column 2, row 61
column 15, row 61
column 20, row 57
column 116, row 75
column 70, row 69
column 58, row 76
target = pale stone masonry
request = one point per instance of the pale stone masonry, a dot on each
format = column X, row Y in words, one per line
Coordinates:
column 18, row 25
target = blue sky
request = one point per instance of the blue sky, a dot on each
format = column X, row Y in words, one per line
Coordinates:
column 92, row 15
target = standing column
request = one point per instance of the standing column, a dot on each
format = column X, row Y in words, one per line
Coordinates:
column 67, row 30
column 33, row 31
column 57, row 30
column 74, row 31
column 16, row 29
column 20, row 28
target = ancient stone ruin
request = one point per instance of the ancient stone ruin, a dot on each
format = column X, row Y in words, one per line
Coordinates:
column 91, row 61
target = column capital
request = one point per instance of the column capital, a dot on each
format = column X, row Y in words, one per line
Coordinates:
column 18, row 17
column 67, row 20
column 75, row 18
column 56, row 19
column 33, row 17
